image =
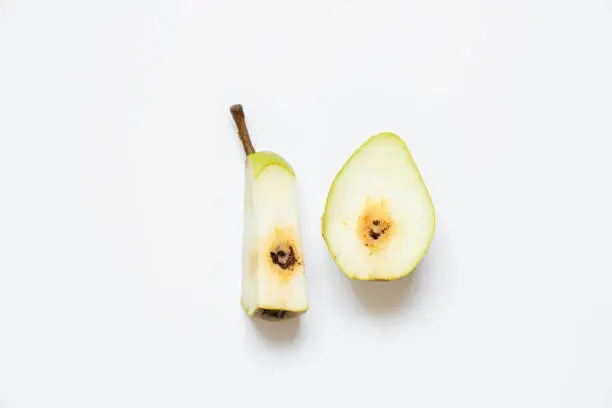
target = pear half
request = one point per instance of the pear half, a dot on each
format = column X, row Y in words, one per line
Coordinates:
column 273, row 276
column 379, row 219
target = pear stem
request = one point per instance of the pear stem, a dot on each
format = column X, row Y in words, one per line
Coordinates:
column 243, row 132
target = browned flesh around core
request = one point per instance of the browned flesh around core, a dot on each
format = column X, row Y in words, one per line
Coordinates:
column 283, row 253
column 375, row 225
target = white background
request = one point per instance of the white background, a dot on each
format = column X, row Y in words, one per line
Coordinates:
column 122, row 183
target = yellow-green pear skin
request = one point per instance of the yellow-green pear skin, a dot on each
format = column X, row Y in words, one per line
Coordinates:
column 379, row 219
column 260, row 160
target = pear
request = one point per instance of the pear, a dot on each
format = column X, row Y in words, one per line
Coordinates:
column 273, row 276
column 379, row 218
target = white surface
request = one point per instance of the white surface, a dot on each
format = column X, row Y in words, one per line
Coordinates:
column 122, row 191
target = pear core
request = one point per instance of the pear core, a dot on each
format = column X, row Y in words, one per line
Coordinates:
column 375, row 225
column 284, row 256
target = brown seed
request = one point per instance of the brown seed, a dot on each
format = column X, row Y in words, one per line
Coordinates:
column 284, row 260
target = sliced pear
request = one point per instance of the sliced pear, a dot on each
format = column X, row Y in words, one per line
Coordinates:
column 379, row 219
column 273, row 278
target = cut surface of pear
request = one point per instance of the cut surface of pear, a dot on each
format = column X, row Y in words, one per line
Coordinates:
column 379, row 218
column 274, row 282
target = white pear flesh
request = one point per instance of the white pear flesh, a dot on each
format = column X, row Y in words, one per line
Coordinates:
column 274, row 282
column 379, row 219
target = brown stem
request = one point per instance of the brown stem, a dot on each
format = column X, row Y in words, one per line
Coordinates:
column 243, row 132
